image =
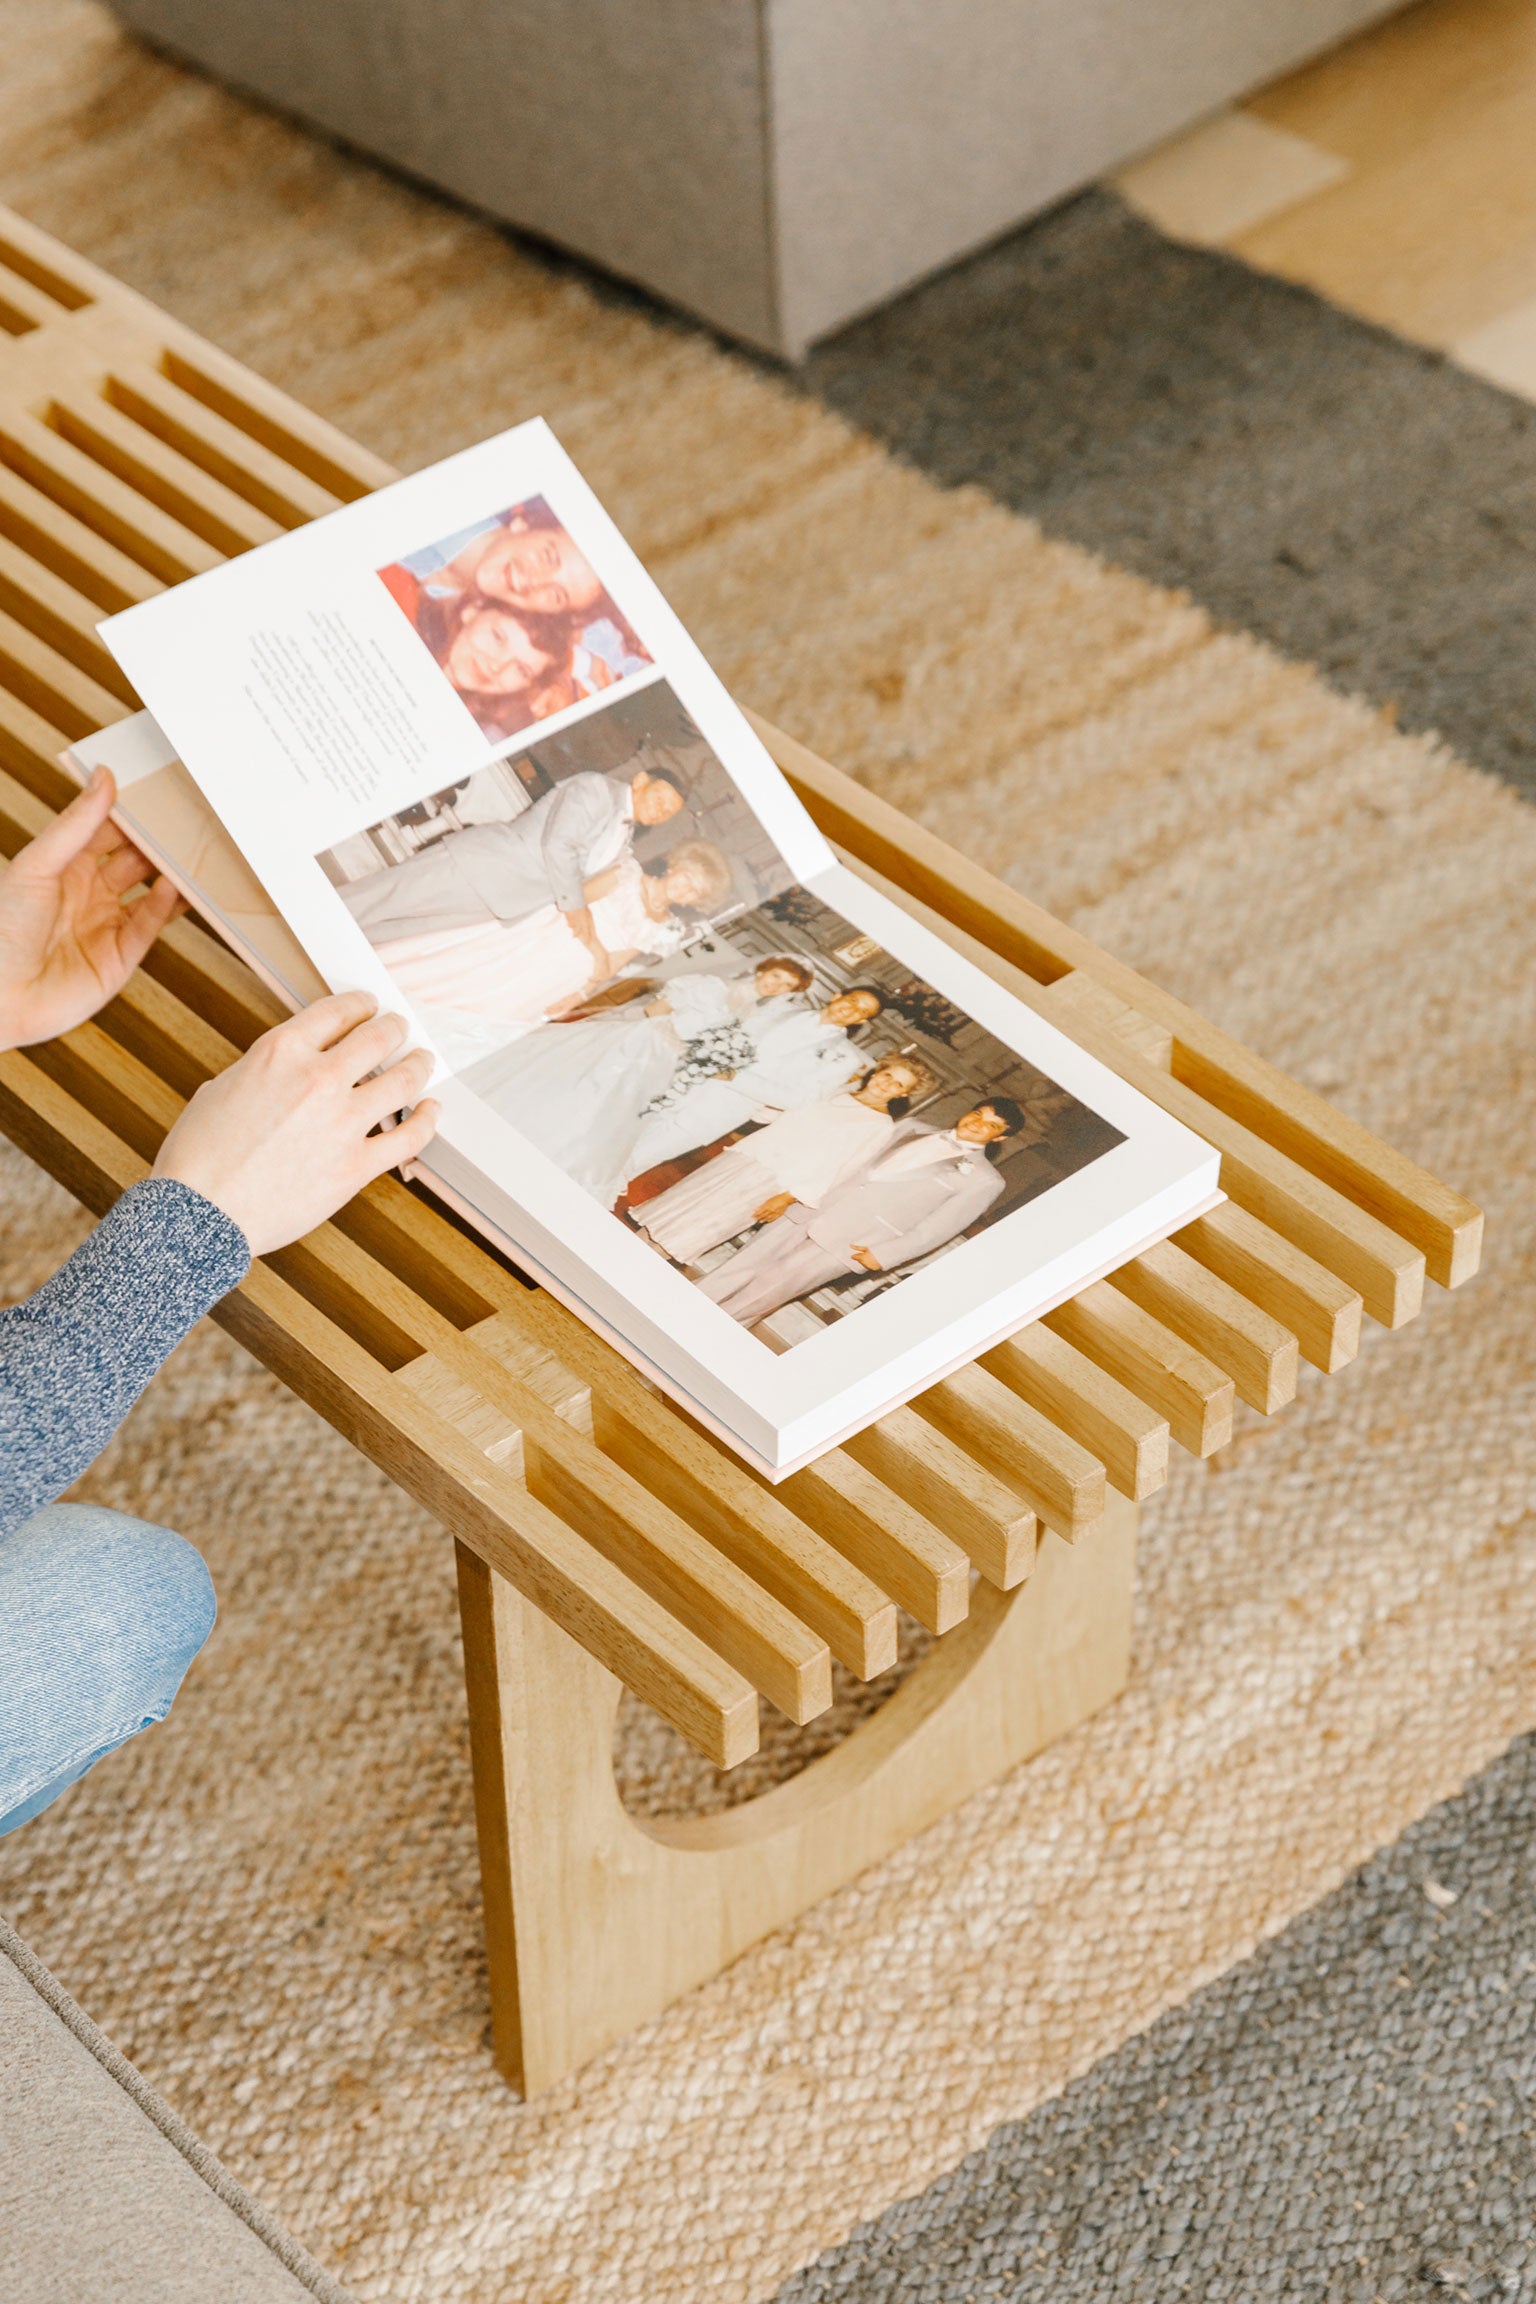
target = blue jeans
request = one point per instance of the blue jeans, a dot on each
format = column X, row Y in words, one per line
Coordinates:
column 100, row 1616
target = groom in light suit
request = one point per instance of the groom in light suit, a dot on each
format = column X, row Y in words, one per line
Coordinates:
column 919, row 1192
column 506, row 871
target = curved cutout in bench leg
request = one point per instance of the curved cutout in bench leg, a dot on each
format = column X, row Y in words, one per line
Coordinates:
column 596, row 1919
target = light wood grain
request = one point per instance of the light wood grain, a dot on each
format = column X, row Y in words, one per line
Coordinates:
column 191, row 496
column 1258, row 1354
column 60, row 614
column 924, row 1571
column 631, row 1525
column 1082, row 1398
column 273, row 485
column 1060, row 1480
column 985, row 1516
column 1385, row 1269
column 78, row 484
column 1303, row 1295
column 877, row 1530
column 1433, row 230
column 95, row 566
column 55, row 686
column 1153, row 1361
column 1077, row 999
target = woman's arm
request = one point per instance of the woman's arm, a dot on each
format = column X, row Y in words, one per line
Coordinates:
column 258, row 1157
column 76, row 1356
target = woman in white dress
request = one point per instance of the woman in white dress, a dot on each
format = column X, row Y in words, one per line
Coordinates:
column 803, row 1155
column 579, row 1090
column 800, row 1055
column 522, row 971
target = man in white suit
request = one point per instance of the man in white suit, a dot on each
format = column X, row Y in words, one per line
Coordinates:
column 921, row 1192
column 507, row 871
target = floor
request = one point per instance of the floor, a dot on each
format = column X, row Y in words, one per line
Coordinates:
column 1397, row 176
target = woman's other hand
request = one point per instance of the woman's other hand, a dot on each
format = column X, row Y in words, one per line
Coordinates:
column 772, row 1209
column 68, row 942
column 283, row 1138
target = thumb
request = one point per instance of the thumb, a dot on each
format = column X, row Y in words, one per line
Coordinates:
column 71, row 832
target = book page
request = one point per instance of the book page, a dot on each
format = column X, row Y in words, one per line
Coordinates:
column 440, row 657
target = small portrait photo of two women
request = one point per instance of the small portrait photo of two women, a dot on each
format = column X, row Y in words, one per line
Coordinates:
column 516, row 617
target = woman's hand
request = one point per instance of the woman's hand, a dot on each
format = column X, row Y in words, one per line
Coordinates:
column 282, row 1139
column 68, row 942
column 771, row 1210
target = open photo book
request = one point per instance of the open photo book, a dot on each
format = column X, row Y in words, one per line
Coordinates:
column 780, row 1143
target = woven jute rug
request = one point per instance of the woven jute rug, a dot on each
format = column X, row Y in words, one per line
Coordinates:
column 271, row 1903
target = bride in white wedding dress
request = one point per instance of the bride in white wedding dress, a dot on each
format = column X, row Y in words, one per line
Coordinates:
column 521, row 971
column 579, row 1091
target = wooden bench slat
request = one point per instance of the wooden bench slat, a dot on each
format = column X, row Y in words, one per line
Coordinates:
column 1152, row 1361
column 22, row 814
column 635, row 1636
column 52, row 265
column 1320, row 1309
column 161, row 474
column 1078, row 998
column 79, row 485
column 208, row 439
column 286, row 428
column 61, row 615
column 1083, row 1399
column 88, row 562
column 1406, row 1199
column 191, row 962
column 1258, row 1354
column 964, row 1499
column 36, row 674
column 713, row 1488
column 431, row 1254
column 713, row 1495
column 23, row 306
column 29, row 748
column 1060, row 1480
column 924, row 1571
column 635, row 1528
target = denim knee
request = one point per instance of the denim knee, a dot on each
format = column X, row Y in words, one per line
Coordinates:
column 100, row 1616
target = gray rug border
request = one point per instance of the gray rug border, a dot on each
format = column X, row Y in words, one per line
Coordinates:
column 260, row 2220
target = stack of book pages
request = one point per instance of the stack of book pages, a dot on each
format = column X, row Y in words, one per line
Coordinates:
column 781, row 1144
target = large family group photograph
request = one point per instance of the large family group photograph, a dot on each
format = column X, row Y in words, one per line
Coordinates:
column 789, row 1117
column 519, row 895
column 516, row 618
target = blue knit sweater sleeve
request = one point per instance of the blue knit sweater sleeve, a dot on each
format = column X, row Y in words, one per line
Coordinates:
column 76, row 1356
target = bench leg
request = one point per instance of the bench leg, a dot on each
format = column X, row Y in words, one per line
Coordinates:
column 596, row 1920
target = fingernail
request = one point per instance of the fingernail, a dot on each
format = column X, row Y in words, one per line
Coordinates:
column 94, row 781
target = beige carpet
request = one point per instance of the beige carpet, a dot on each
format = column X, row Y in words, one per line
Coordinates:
column 271, row 1903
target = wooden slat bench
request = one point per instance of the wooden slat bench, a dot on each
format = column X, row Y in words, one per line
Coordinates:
column 603, row 1540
